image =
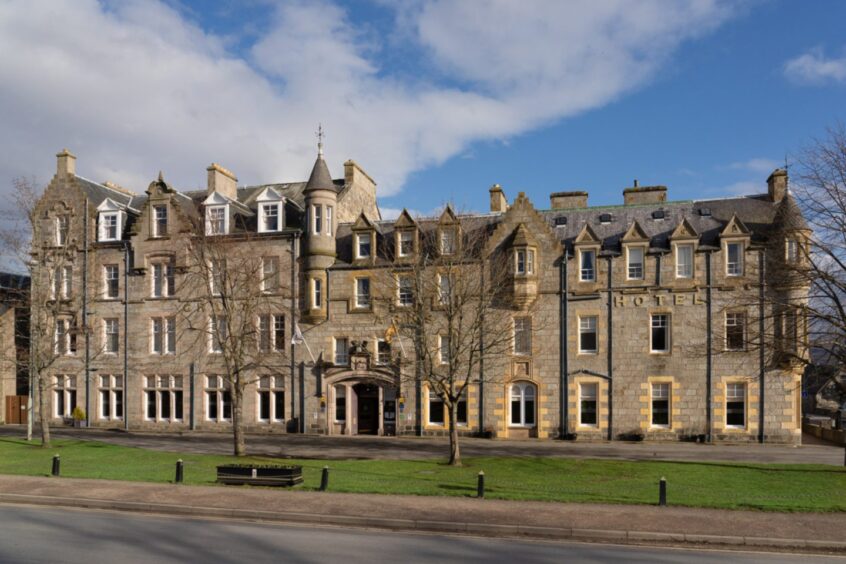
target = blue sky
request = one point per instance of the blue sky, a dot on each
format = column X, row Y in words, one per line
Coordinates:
column 437, row 100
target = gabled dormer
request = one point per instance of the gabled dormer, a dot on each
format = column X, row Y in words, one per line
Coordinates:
column 364, row 240
column 448, row 233
column 635, row 244
column 216, row 212
column 406, row 237
column 271, row 211
column 160, row 195
column 587, row 245
column 734, row 242
column 684, row 240
column 111, row 218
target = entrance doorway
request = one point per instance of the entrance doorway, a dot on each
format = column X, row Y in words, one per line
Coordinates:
column 368, row 408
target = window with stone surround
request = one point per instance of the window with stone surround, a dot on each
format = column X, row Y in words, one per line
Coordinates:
column 271, row 399
column 660, row 408
column 218, row 399
column 62, row 230
column 587, row 334
column 522, row 404
column 523, row 335
column 163, row 335
column 159, row 221
column 635, row 263
column 362, row 293
column 163, row 280
column 64, row 395
column 734, row 259
column 684, row 261
column 342, row 351
column 163, row 398
column 270, row 274
column 111, row 281
column 271, row 332
column 588, row 402
column 111, row 335
column 111, row 397
column 736, row 405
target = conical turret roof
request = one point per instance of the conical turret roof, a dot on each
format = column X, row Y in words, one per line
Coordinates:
column 320, row 178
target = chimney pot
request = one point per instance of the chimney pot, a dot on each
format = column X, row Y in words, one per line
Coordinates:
column 568, row 200
column 65, row 163
column 222, row 181
column 499, row 204
column 777, row 185
column 644, row 194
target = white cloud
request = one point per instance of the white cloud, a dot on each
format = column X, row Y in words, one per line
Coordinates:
column 133, row 87
column 814, row 68
column 758, row 165
column 740, row 188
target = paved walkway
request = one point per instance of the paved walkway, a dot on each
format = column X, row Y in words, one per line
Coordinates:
column 405, row 448
column 610, row 523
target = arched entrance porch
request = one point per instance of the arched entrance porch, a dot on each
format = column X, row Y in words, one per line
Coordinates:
column 361, row 404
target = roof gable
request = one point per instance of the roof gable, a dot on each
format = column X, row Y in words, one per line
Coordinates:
column 635, row 233
column 448, row 216
column 109, row 205
column 735, row 228
column 404, row 220
column 269, row 194
column 216, row 199
column 363, row 224
column 587, row 235
column 684, row 230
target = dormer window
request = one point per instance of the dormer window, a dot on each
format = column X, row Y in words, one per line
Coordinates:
column 271, row 211
column 524, row 262
column 635, row 263
column 270, row 218
column 791, row 251
column 109, row 226
column 406, row 243
column 329, row 220
column 159, row 221
column 448, row 241
column 216, row 220
column 587, row 267
column 734, row 259
column 364, row 245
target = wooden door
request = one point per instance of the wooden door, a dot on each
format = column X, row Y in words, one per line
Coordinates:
column 15, row 410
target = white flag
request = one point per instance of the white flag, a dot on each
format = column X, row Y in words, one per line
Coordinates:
column 297, row 338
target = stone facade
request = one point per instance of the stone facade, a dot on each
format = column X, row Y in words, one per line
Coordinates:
column 621, row 302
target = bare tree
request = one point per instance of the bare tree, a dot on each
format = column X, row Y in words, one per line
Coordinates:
column 821, row 191
column 54, row 323
column 235, row 312
column 450, row 306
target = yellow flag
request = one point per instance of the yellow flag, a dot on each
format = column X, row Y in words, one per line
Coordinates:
column 391, row 332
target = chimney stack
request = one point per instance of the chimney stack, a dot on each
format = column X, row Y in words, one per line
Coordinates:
column 222, row 181
column 644, row 194
column 498, row 202
column 65, row 164
column 777, row 185
column 568, row 200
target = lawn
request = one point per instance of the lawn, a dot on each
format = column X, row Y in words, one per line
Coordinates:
column 774, row 487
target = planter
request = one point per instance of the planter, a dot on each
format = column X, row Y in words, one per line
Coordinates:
column 259, row 475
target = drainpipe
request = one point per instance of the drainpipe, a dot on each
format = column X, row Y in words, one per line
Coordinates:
column 482, row 362
column 610, row 354
column 125, row 335
column 761, row 370
column 293, row 321
column 85, row 315
column 302, row 425
column 563, row 367
column 709, row 361
column 191, row 399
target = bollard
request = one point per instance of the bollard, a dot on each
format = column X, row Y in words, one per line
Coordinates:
column 324, row 479
column 56, row 463
column 844, row 455
column 180, row 471
column 662, row 492
column 480, row 486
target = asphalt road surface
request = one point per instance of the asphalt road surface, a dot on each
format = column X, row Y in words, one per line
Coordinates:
column 29, row 534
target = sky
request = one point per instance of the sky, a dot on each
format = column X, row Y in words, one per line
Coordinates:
column 437, row 100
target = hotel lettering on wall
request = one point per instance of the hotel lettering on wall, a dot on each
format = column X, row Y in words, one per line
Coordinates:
column 622, row 300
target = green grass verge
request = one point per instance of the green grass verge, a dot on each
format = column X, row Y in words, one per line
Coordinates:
column 773, row 487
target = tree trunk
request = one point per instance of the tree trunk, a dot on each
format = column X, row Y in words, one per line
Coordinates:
column 238, row 422
column 454, row 453
column 43, row 411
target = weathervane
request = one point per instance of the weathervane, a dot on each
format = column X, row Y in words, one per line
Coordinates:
column 320, row 139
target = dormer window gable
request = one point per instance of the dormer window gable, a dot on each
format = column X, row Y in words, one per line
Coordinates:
column 271, row 211
column 734, row 242
column 364, row 239
column 111, row 218
column 405, row 232
column 217, row 209
column 635, row 243
column 449, row 233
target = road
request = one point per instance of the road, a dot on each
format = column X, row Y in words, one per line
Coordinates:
column 415, row 448
column 29, row 534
